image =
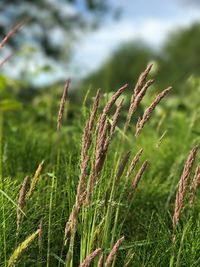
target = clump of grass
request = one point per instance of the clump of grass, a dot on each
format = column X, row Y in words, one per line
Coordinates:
column 87, row 190
column 104, row 193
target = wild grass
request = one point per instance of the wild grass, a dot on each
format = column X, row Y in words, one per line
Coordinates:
column 103, row 208
column 104, row 197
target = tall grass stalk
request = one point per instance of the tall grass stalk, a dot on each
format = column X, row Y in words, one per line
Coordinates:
column 18, row 251
column 50, row 219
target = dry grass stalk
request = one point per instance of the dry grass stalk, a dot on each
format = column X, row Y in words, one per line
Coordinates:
column 108, row 106
column 5, row 60
column 116, row 117
column 90, row 258
column 22, row 198
column 71, row 224
column 129, row 258
column 184, row 181
column 40, row 234
column 133, row 164
column 86, row 142
column 122, row 166
column 100, row 262
column 35, row 180
column 113, row 99
column 113, row 252
column 105, row 141
column 62, row 104
column 12, row 32
column 138, row 178
column 147, row 114
column 94, row 110
column 102, row 122
column 142, row 79
column 18, row 251
column 161, row 139
column 100, row 155
column 194, row 185
column 135, row 101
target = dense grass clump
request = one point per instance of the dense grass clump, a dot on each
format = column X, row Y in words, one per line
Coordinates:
column 102, row 189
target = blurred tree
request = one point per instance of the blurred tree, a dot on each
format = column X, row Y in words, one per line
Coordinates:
column 51, row 24
column 180, row 58
column 124, row 66
column 175, row 62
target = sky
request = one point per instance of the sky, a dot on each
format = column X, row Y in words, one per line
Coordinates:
column 147, row 20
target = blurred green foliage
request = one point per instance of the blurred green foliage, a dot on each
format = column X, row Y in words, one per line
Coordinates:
column 174, row 64
column 47, row 18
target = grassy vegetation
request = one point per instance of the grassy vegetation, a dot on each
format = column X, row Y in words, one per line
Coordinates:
column 109, row 186
column 113, row 208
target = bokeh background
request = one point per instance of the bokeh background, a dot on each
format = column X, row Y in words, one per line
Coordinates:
column 101, row 44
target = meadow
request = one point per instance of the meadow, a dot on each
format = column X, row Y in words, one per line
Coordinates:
column 110, row 182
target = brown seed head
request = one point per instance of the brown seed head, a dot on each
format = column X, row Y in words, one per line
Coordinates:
column 133, row 164
column 90, row 258
column 183, row 184
column 22, row 198
column 113, row 252
column 194, row 185
column 135, row 101
column 62, row 104
column 147, row 114
column 138, row 178
column 12, row 32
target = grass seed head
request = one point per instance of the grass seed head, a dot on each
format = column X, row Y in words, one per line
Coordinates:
column 113, row 252
column 90, row 258
column 35, row 180
column 138, row 178
column 22, row 198
column 133, row 163
column 194, row 185
column 18, row 251
column 116, row 117
column 122, row 165
column 100, row 262
column 147, row 114
column 62, row 104
column 135, row 101
column 183, row 184
column 142, row 79
column 12, row 32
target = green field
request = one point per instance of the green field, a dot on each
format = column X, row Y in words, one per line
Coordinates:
column 86, row 173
